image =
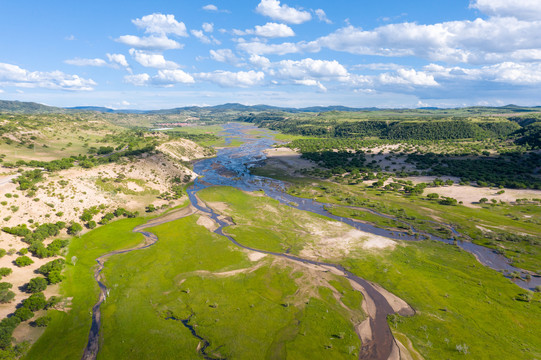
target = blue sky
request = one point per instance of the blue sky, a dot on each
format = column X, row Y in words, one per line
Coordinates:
column 163, row 54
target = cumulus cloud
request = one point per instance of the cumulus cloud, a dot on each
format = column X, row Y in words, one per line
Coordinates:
column 151, row 60
column 118, row 59
column 137, row 79
column 273, row 30
column 161, row 24
column 86, row 62
column 520, row 9
column 13, row 75
column 260, row 61
column 262, row 48
column 208, row 27
column 407, row 77
column 322, row 16
column 165, row 78
column 149, row 42
column 311, row 82
column 233, row 79
column 512, row 73
column 274, row 10
column 210, row 7
column 310, row 68
column 475, row 42
column 225, row 56
column 204, row 38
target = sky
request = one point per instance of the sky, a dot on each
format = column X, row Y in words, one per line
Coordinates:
column 164, row 54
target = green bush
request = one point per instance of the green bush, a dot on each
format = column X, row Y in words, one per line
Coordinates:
column 24, row 314
column 36, row 285
column 35, row 302
column 5, row 271
column 22, row 261
column 6, row 296
column 42, row 321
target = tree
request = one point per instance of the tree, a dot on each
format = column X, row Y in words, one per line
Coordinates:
column 433, row 196
column 22, row 261
column 35, row 302
column 6, row 296
column 24, row 314
column 483, row 200
column 5, row 271
column 42, row 321
column 75, row 229
column 91, row 224
column 36, row 284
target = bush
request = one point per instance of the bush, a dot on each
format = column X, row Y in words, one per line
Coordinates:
column 6, row 296
column 5, row 286
column 23, row 251
column 36, row 284
column 24, row 314
column 5, row 271
column 35, row 302
column 42, row 321
column 91, row 224
column 433, row 196
column 75, row 229
column 22, row 261
column 3, row 253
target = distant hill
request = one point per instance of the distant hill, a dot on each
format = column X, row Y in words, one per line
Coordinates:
column 19, row 107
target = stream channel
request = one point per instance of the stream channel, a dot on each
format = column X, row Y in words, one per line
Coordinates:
column 230, row 167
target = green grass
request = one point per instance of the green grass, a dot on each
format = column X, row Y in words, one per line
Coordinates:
column 242, row 316
column 458, row 301
column 67, row 334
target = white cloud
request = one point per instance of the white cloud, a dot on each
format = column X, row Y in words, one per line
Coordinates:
column 477, row 41
column 274, row 10
column 156, row 61
column 270, row 30
column 520, row 74
column 137, row 79
column 210, row 7
column 13, row 75
column 260, row 61
column 225, row 56
column 262, row 48
column 233, row 79
column 1, row 91
column 86, row 62
column 204, row 38
column 310, row 68
column 311, row 82
column 119, row 59
column 408, row 77
column 161, row 24
column 149, row 42
column 70, row 37
column 165, row 78
column 208, row 27
column 173, row 77
column 520, row 9
column 322, row 16
column 273, row 30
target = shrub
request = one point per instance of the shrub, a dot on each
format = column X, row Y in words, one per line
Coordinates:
column 24, row 314
column 22, row 261
column 42, row 321
column 3, row 253
column 75, row 229
column 5, row 271
column 6, row 296
column 91, row 224
column 5, row 286
column 35, row 302
column 36, row 285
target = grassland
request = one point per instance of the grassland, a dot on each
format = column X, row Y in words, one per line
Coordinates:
column 242, row 308
column 67, row 334
column 461, row 305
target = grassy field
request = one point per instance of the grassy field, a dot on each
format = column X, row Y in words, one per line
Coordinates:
column 242, row 315
column 460, row 303
column 67, row 334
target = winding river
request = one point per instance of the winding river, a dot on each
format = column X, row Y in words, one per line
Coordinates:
column 231, row 168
